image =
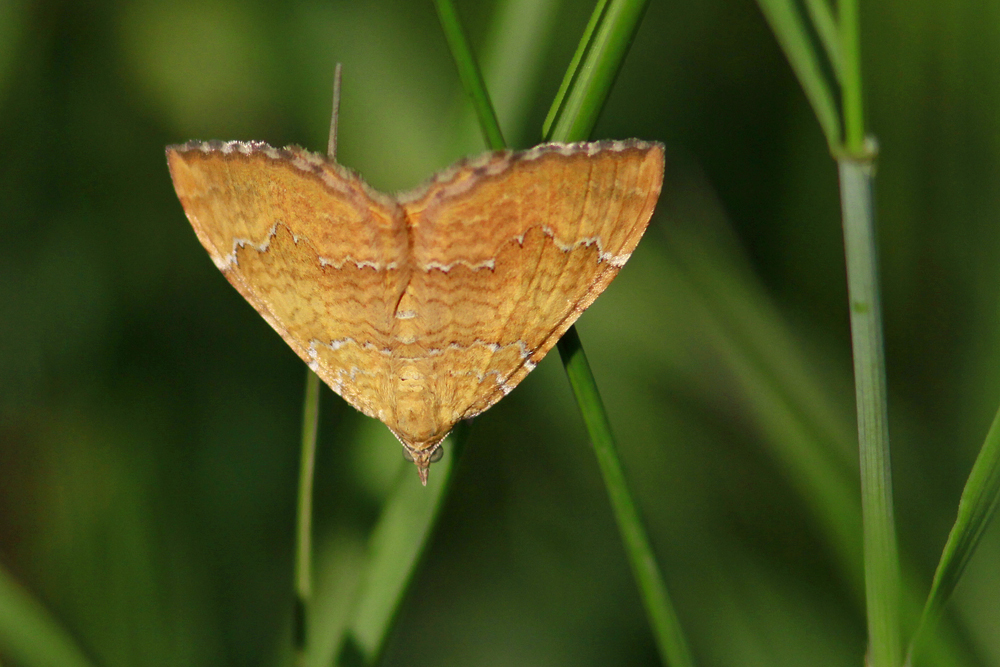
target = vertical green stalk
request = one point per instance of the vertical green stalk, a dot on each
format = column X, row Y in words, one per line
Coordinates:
column 574, row 113
column 303, row 516
column 825, row 24
column 569, row 78
column 858, row 210
column 881, row 559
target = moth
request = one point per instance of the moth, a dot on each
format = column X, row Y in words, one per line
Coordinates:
column 428, row 306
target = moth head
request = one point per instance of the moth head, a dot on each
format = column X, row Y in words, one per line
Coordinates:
column 423, row 455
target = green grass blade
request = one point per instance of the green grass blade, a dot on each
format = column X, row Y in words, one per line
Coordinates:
column 980, row 499
column 396, row 547
column 825, row 25
column 469, row 73
column 882, row 586
column 792, row 34
column 29, row 634
column 881, row 558
column 604, row 46
column 662, row 617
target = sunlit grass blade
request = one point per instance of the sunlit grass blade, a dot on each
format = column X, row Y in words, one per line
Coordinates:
column 395, row 549
column 29, row 634
column 603, row 47
column 793, row 35
column 469, row 73
column 881, row 557
column 980, row 499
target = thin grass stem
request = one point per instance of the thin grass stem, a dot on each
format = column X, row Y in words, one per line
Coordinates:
column 856, row 167
column 825, row 24
column 307, row 458
column 331, row 144
column 793, row 36
column 574, row 66
column 470, row 74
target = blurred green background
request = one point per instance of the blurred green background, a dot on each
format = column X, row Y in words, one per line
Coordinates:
column 149, row 418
